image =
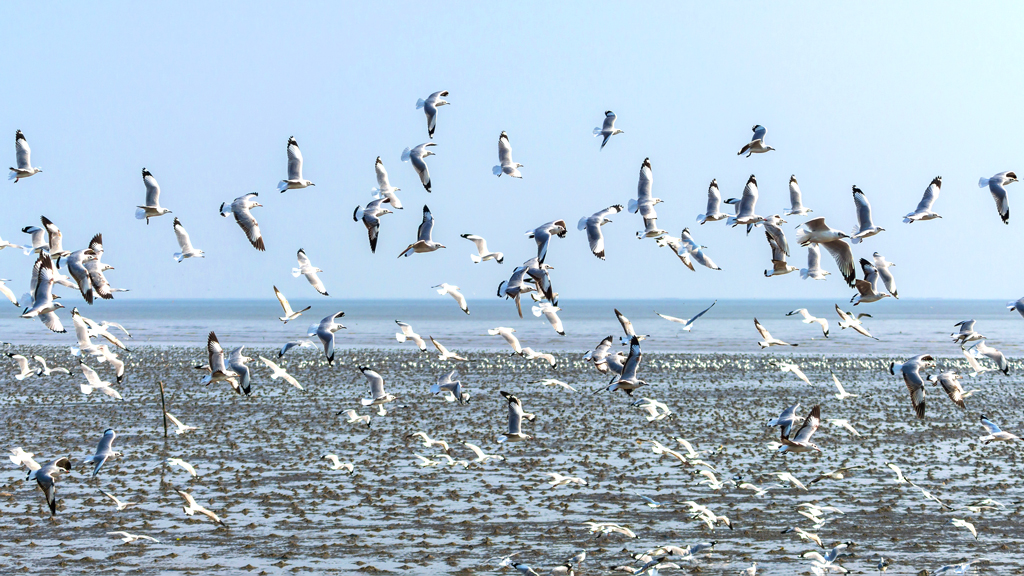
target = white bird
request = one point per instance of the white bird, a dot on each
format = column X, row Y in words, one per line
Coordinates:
column 218, row 370
column 507, row 334
column 324, row 331
column 966, row 333
column 750, row 571
column 560, row 480
column 278, row 372
column 900, row 478
column 430, row 106
column 808, row 319
column 628, row 380
column 841, row 393
column 354, row 417
column 505, row 164
column 645, row 202
column 714, row 209
column 787, row 477
column 295, row 179
column 655, row 410
column 687, row 249
column 816, row 231
column 23, row 159
column 43, row 304
column 46, row 477
column 924, row 208
column 307, row 269
column 181, row 428
column 687, row 322
column 756, row 144
column 184, row 465
column 885, row 275
column 293, row 344
column 797, row 207
column 995, row 355
column 408, row 334
column 453, row 291
column 960, row 523
column 786, row 420
column 627, row 327
column 98, row 329
column 23, row 366
column 841, row 423
column 608, row 128
column 551, row 314
column 378, row 397
column 6, row 244
column 94, row 383
column 194, row 507
column 120, row 505
column 813, row 270
column 113, row 361
column 801, row 442
column 289, row 314
column 21, row 458
column 129, row 538
column 430, row 442
column 483, row 254
column 972, row 361
column 152, row 208
column 515, row 420
column 449, row 385
column 444, row 354
column 417, row 156
column 104, row 451
column 950, row 382
column 371, row 219
column 996, row 188
column 994, row 433
column 424, row 239
column 481, row 457
column 848, row 320
column 338, row 464
column 185, row 243
column 910, row 370
column 767, row 338
column 865, row 226
column 237, row 363
column 553, row 382
column 530, row 354
column 795, row 370
column 745, row 206
column 240, row 207
column 593, row 223
column 542, row 235
column 779, row 264
column 384, row 189
column 84, row 337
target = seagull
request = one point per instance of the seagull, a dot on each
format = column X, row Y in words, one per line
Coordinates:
column 787, row 477
column 841, row 393
column 550, row 312
column 593, row 223
column 994, row 433
column 976, row 368
column 804, row 535
column 750, row 571
column 515, row 420
column 307, row 269
column 371, row 219
column 453, row 291
column 756, row 144
column 607, row 129
column 293, row 344
column 687, row 249
column 218, row 371
column 839, row 473
column 773, row 228
column 152, row 209
column 429, row 107
column 813, row 270
column 408, row 334
column 505, row 163
column 996, row 187
column 38, row 237
column 45, row 370
column 384, row 188
column 924, row 208
column 194, row 507
column 103, row 451
column 129, row 538
column 808, row 319
column 560, row 480
column 120, row 505
column 967, row 333
column 993, row 354
column 745, row 206
column 645, row 202
column 481, row 457
column 378, row 397
column 237, row 363
column 113, row 361
column 882, row 266
column 627, row 327
column 46, row 477
column 911, row 376
column 848, row 320
column 429, row 442
column 843, row 424
column 278, row 372
column 338, row 464
column 779, row 264
column 23, row 158
column 655, row 410
column 353, row 417
column 424, row 241
column 6, row 244
column 867, row 288
column 543, row 233
column 817, row 232
column 182, row 428
column 507, row 334
column 628, row 379
column 295, row 179
column 959, row 523
column 599, row 355
column 184, row 465
column 97, row 329
column 802, row 441
column 865, row 227
column 94, row 383
column 483, row 254
column 687, row 323
column 553, row 382
column 185, row 243
column 240, row 208
column 80, row 274
column 714, row 209
column 767, row 338
column 786, row 420
column 418, row 156
column 795, row 369
column 43, row 305
column 444, row 354
column 22, row 366
column 797, row 207
column 961, row 568
column 289, row 314
column 900, row 478
column 529, row 354
column 448, row 384
column 325, row 332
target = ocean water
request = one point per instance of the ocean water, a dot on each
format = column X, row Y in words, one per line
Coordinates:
column 907, row 326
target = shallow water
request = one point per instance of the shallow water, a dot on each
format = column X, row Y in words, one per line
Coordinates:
column 286, row 511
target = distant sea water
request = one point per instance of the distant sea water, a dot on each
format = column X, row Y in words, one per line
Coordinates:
column 907, row 326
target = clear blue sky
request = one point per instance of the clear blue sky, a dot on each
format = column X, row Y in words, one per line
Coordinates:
column 205, row 95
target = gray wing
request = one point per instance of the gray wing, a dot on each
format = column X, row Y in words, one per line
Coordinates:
column 966, row 327
column 182, row 235
column 777, row 253
column 629, row 370
column 702, row 312
column 779, row 235
column 504, row 150
column 248, row 224
column 595, row 237
column 22, row 151
column 759, row 133
column 810, row 425
column 152, row 188
column 376, row 382
column 787, row 419
column 714, row 199
column 643, row 189
column 843, row 256
column 999, row 195
column 795, row 199
column 930, row 194
column 813, row 257
column 749, row 199
column 427, row 226
column 215, row 352
column 294, row 160
column 915, row 385
column 952, row 389
column 609, row 124
column 515, row 418
column 382, row 175
column 863, row 210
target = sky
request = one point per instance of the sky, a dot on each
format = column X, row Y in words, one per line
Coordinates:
column 880, row 95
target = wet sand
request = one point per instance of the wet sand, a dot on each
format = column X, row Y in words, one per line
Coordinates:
column 259, row 468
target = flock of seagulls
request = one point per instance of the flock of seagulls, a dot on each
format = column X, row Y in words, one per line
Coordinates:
column 83, row 271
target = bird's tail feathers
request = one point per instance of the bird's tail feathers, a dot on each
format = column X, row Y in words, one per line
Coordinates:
column 537, row 311
column 140, row 213
column 982, row 182
column 702, row 218
column 633, row 206
column 177, row 256
column 474, row 258
column 282, row 185
column 365, row 401
column 296, row 272
column 406, row 154
column 420, row 103
column 12, row 175
column 803, row 273
column 803, row 236
column 399, row 336
column 582, row 225
column 312, row 329
column 496, row 170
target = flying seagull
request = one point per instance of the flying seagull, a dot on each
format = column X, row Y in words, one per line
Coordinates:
column 515, row 420
column 325, row 330
column 307, row 269
column 779, row 264
column 218, row 370
column 924, row 208
column 185, row 243
column 46, row 477
column 796, row 205
column 542, row 235
column 424, row 240
column 417, row 156
column 289, row 314
column 278, row 372
column 453, row 291
column 607, row 129
column 687, row 323
column 550, row 312
column 950, row 382
column 384, row 188
column 240, row 207
column 378, row 397
column 103, row 451
column 506, row 165
column 996, row 187
column 408, row 334
column 295, row 179
column 714, row 210
column 767, row 338
column 629, row 380
column 645, row 202
column 745, row 206
column 483, row 254
column 194, row 507
column 911, row 372
column 808, row 319
column 848, row 320
column 429, row 107
column 994, row 433
column 237, row 363
column 802, row 441
column 756, row 144
column 813, row 270
column 448, row 384
column 371, row 219
column 152, row 208
column 593, row 223
column 816, row 231
column 23, row 158
column 865, row 226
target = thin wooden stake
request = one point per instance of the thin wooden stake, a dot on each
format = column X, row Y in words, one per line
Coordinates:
column 163, row 406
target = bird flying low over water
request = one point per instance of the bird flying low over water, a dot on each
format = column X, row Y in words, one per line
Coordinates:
column 756, row 144
column 307, row 269
column 996, row 185
column 453, row 291
column 767, row 339
column 218, row 369
column 324, row 331
column 407, row 333
column 687, row 322
column 430, row 106
column 289, row 314
column 483, row 254
column 104, row 451
column 911, row 372
column 801, row 442
column 23, row 159
column 607, row 129
column 46, row 477
column 295, row 179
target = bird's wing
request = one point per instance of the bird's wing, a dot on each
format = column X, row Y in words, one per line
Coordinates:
column 216, row 353
column 761, row 329
column 915, row 385
column 990, row 426
column 714, row 199
column 427, row 226
column 294, row 161
column 627, row 326
column 303, row 259
column 183, row 240
column 749, row 199
column 249, row 225
column 930, row 194
column 22, row 152
column 504, row 150
column 284, row 302
column 843, row 256
column 810, row 425
column 759, row 133
column 643, row 191
column 863, row 210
